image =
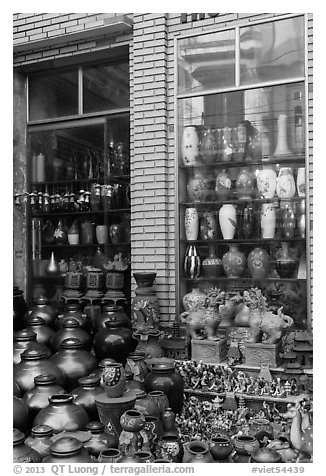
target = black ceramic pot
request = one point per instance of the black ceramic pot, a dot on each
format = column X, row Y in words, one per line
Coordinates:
column 67, row 450
column 26, row 339
column 110, row 313
column 43, row 332
column 38, row 397
column 100, row 440
column 20, row 414
column 85, row 394
column 21, row 452
column 115, row 342
column 163, row 377
column 70, row 328
column 42, row 308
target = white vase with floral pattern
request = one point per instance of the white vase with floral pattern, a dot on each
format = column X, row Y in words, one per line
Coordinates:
column 191, row 223
column 266, row 182
column 268, row 220
column 190, row 146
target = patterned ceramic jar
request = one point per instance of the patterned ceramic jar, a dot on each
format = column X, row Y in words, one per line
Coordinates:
column 258, row 262
column 191, row 223
column 223, row 185
column 198, row 187
column 190, row 146
column 169, row 447
column 208, row 226
column 194, row 300
column 285, row 186
column 266, row 182
column 114, row 380
column 131, row 439
column 192, row 262
column 268, row 220
column 234, row 262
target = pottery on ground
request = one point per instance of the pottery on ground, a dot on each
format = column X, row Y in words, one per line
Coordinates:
column 40, row 439
column 221, row 447
column 68, row 450
column 114, row 380
column 170, row 447
column 197, row 451
column 110, row 455
column 245, row 444
column 38, row 397
column 86, row 393
column 114, row 342
column 20, row 414
column 130, row 439
column 26, row 339
column 100, row 439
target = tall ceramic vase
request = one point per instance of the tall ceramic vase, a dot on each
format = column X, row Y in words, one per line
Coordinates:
column 301, row 182
column 282, row 142
column 190, row 146
column 268, row 220
column 234, row 262
column 228, row 221
column 285, row 186
column 191, row 223
column 266, row 182
column 192, row 262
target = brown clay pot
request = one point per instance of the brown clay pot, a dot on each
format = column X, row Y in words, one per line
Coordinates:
column 26, row 339
column 21, row 452
column 43, row 332
column 67, row 450
column 40, row 439
column 38, row 397
column 34, row 363
column 62, row 414
column 73, row 361
column 70, row 328
column 100, row 439
column 85, row 394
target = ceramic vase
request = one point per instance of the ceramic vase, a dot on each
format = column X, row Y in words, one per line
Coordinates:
column 191, row 262
column 194, row 300
column 221, row 447
column 223, row 185
column 234, row 262
column 258, row 263
column 102, row 234
column 130, row 439
column 268, row 220
column 208, row 147
column 68, row 450
column 170, row 448
column 43, row 332
column 191, row 223
column 73, row 234
column 266, row 182
column 289, row 222
column 285, row 265
column 226, row 149
column 115, row 233
column 302, row 218
column 86, row 233
column 26, row 339
column 190, row 146
column 248, row 223
column 301, row 182
column 197, row 451
column 227, row 221
column 146, row 405
column 282, row 142
column 198, row 187
column 100, row 439
column 245, row 184
column 110, row 455
column 208, row 226
column 38, row 397
column 114, row 341
column 40, row 439
column 114, row 380
column 285, row 186
column 86, row 393
column 212, row 265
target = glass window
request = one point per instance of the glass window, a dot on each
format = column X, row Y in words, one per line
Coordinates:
column 206, row 62
column 53, row 95
column 272, row 51
column 106, row 87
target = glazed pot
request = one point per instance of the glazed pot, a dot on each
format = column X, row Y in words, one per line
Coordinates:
column 265, row 455
column 234, row 262
column 73, row 361
column 198, row 187
column 85, row 394
column 16, row 390
column 245, row 184
column 208, row 226
column 212, row 265
column 115, row 342
column 208, row 147
column 197, row 451
column 190, row 146
column 130, row 439
column 74, row 310
column 147, row 405
column 114, row 380
column 100, row 440
column 285, row 185
column 258, row 263
column 20, row 414
column 145, row 456
column 266, row 182
column 162, row 401
column 19, row 308
column 163, row 377
column 289, row 222
column 169, row 447
column 285, row 265
column 67, row 450
column 109, row 313
column 38, row 397
column 191, row 223
column 149, row 344
column 62, row 414
column 136, row 365
column 26, row 339
column 228, row 221
column 34, row 363
column 194, row 300
column 247, row 223
column 110, row 455
column 221, row 447
column 133, row 385
column 43, row 309
column 71, row 329
column 191, row 262
column 268, row 220
column 116, row 233
column 21, row 452
column 168, row 422
column 40, row 439
column 43, row 332
column 223, row 185
column 245, row 445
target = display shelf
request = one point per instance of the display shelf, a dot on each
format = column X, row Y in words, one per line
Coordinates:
column 266, row 160
column 245, row 279
column 92, row 245
column 101, row 181
column 250, row 241
column 235, row 201
column 90, row 212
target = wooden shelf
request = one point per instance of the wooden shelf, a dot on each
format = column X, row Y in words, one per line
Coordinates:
column 98, row 212
column 101, row 181
column 249, row 241
column 257, row 398
column 266, row 160
column 93, row 245
column 246, row 279
column 218, row 203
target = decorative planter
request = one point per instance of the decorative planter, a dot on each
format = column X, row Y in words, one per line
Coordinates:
column 130, row 439
column 228, row 221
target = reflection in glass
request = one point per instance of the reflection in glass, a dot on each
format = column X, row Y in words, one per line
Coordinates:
column 272, row 51
column 106, row 87
column 206, row 62
column 53, row 95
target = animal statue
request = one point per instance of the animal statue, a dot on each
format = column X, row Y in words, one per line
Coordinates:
column 202, row 323
column 301, row 432
column 269, row 324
